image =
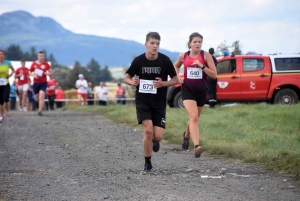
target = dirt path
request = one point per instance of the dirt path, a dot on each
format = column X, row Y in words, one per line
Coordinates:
column 80, row 156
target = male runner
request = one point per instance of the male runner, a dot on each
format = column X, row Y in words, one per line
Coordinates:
column 151, row 70
column 39, row 70
column 22, row 74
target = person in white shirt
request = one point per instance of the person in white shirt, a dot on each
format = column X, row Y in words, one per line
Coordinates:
column 101, row 93
column 82, row 91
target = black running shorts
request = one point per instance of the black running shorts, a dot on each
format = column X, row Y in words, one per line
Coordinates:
column 199, row 97
column 157, row 115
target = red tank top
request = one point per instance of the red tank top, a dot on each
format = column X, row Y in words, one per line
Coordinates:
column 194, row 76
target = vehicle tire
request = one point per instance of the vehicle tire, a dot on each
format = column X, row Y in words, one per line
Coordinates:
column 178, row 100
column 286, row 97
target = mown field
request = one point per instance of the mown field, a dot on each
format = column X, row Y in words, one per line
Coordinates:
column 268, row 135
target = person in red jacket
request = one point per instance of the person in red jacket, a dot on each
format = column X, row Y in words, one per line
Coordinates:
column 60, row 95
column 52, row 84
column 39, row 70
column 22, row 74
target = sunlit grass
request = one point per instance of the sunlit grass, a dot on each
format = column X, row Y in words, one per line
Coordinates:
column 256, row 133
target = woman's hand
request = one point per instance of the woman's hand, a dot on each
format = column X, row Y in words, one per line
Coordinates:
column 198, row 63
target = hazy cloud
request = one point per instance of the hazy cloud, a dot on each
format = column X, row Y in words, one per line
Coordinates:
column 264, row 26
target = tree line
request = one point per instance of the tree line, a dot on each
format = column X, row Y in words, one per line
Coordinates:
column 235, row 48
column 65, row 75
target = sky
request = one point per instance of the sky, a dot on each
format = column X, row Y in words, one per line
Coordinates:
column 263, row 26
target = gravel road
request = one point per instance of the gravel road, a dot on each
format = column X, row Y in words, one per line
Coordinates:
column 79, row 156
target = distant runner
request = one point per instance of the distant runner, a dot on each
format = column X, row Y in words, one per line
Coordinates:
column 22, row 74
column 40, row 69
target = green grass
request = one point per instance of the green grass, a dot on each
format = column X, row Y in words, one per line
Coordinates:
column 265, row 134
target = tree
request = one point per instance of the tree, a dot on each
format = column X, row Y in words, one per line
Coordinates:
column 33, row 54
column 61, row 74
column 14, row 52
column 223, row 47
column 105, row 74
column 237, row 48
column 94, row 71
column 54, row 64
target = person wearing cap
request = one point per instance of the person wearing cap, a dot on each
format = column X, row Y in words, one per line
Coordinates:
column 82, row 89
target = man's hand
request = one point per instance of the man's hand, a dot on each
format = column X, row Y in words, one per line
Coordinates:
column 158, row 83
column 135, row 81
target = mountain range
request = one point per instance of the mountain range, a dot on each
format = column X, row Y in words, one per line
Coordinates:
column 23, row 29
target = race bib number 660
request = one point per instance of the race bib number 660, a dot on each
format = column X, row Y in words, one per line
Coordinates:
column 194, row 73
column 146, row 86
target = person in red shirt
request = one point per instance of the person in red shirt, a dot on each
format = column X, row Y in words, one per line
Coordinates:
column 60, row 95
column 52, row 84
column 39, row 70
column 23, row 84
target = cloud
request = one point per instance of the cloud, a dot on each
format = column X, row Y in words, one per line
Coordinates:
column 260, row 25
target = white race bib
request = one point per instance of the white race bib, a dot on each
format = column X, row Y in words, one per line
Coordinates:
column 146, row 86
column 22, row 77
column 38, row 72
column 194, row 73
column 52, row 87
column 2, row 82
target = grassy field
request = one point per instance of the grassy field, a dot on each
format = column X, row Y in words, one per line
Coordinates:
column 265, row 134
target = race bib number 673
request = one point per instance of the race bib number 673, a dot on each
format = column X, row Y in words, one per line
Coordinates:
column 194, row 73
column 146, row 86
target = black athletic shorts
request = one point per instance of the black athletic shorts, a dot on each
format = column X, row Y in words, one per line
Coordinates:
column 37, row 87
column 199, row 97
column 4, row 94
column 157, row 115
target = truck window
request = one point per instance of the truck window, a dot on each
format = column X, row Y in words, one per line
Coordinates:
column 253, row 64
column 285, row 64
column 227, row 66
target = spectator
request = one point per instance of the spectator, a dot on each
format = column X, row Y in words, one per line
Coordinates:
column 212, row 84
column 81, row 85
column 13, row 96
column 101, row 93
column 60, row 95
column 90, row 94
column 51, row 86
column 120, row 95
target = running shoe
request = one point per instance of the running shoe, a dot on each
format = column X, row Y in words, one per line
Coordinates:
column 8, row 117
column 21, row 109
column 185, row 142
column 147, row 169
column 24, row 109
column 156, row 146
column 198, row 152
column 1, row 119
column 40, row 113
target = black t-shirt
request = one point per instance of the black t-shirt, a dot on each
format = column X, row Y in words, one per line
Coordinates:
column 149, row 70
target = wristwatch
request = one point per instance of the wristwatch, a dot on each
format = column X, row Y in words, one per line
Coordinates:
column 203, row 67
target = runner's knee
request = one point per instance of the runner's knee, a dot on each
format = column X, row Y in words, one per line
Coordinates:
column 148, row 133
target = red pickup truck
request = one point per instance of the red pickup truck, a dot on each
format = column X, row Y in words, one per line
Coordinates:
column 246, row 78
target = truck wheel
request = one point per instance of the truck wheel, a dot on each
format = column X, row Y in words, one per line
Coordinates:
column 286, row 97
column 178, row 100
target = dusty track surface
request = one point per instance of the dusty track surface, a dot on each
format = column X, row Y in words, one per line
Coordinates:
column 80, row 156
